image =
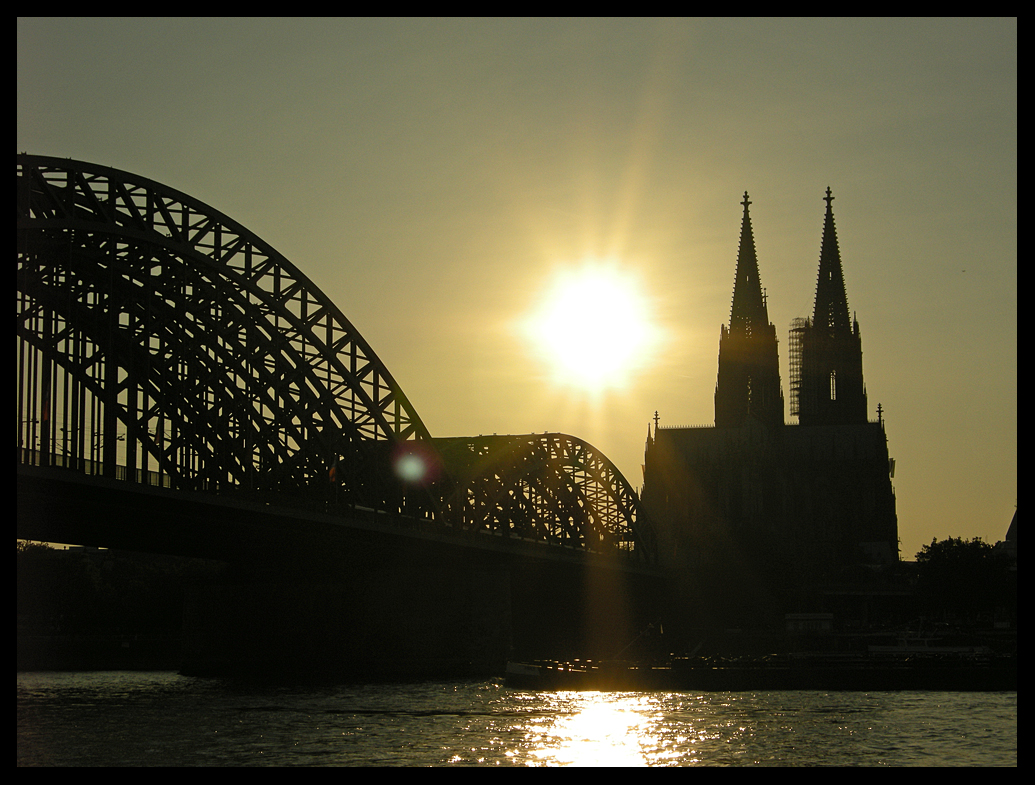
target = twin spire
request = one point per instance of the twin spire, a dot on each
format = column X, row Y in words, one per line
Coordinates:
column 748, row 384
column 748, row 313
column 831, row 301
column 826, row 355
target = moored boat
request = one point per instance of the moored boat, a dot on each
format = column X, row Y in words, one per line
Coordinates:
column 867, row 672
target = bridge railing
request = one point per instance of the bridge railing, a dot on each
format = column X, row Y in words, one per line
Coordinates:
column 399, row 518
column 30, row 457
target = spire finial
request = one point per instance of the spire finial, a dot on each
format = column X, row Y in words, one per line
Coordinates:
column 656, row 418
column 745, row 202
column 828, row 198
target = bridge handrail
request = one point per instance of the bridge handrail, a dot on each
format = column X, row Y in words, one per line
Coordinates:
column 30, row 457
column 394, row 517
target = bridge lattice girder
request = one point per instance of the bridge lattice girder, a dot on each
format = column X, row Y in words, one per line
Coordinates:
column 160, row 335
column 160, row 341
column 547, row 487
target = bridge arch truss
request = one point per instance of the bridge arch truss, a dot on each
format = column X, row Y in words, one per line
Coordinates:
column 159, row 338
column 547, row 487
column 161, row 342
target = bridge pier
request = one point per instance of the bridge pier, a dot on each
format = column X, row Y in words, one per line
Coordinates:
column 364, row 624
column 415, row 622
column 312, row 593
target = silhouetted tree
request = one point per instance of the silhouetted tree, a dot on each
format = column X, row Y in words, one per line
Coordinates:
column 78, row 591
column 962, row 579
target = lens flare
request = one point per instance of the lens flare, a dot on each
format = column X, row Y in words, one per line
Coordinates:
column 415, row 463
column 410, row 468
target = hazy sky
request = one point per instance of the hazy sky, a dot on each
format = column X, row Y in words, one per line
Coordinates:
column 434, row 177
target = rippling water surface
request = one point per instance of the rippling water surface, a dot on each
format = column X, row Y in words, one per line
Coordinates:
column 164, row 719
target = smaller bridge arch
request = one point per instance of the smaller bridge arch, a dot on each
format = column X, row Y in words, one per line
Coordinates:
column 548, row 487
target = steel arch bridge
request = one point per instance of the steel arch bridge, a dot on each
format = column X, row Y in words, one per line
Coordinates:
column 161, row 342
column 547, row 487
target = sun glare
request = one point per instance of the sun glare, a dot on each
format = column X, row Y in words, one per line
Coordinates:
column 599, row 729
column 593, row 327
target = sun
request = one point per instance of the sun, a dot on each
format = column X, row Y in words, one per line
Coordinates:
column 593, row 326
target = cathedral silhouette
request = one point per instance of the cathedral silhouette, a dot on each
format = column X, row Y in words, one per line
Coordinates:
column 754, row 515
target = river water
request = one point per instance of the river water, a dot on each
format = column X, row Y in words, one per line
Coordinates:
column 123, row 718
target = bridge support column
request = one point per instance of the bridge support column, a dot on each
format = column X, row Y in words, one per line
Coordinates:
column 413, row 623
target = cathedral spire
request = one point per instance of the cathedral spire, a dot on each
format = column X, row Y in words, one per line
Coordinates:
column 748, row 312
column 829, row 376
column 831, row 311
column 748, row 383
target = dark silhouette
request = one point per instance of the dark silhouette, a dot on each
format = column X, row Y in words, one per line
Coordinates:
column 754, row 515
column 749, row 366
column 184, row 389
column 85, row 608
column 966, row 581
column 829, row 380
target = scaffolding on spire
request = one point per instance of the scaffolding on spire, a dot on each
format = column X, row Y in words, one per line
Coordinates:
column 798, row 327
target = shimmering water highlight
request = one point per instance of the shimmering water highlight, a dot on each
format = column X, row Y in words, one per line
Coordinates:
column 163, row 719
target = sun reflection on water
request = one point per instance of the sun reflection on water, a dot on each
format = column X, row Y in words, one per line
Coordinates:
column 602, row 729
